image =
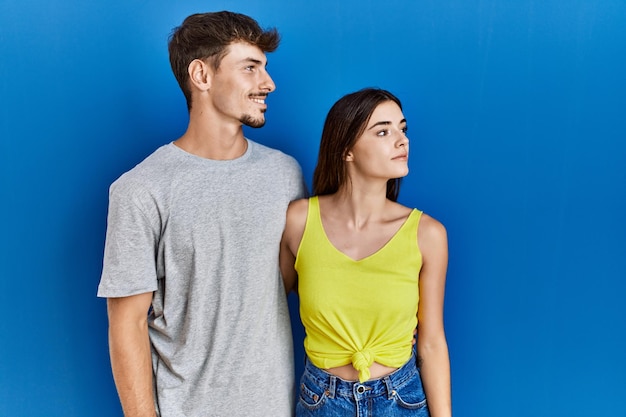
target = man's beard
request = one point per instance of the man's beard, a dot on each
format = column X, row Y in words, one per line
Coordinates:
column 248, row 120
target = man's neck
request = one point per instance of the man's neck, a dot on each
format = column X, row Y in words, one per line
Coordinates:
column 213, row 140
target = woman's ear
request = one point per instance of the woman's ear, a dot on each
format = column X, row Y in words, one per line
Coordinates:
column 348, row 157
column 200, row 74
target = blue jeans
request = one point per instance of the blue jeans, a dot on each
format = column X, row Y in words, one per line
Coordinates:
column 397, row 394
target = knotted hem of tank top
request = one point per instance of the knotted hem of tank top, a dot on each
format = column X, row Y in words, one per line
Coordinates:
column 362, row 361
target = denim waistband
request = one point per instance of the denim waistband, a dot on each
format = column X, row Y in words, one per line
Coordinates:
column 333, row 385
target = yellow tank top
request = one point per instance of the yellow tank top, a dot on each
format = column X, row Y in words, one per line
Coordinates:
column 360, row 311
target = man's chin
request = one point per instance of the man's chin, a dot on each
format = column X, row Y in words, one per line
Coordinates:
column 253, row 122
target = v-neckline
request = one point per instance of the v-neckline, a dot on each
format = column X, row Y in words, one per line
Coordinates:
column 373, row 254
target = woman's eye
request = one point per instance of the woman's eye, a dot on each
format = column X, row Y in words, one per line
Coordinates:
column 382, row 133
column 405, row 129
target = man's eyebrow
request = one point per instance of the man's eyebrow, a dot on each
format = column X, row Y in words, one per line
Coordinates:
column 252, row 60
column 384, row 123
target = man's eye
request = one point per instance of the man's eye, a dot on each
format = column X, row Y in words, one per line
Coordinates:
column 249, row 68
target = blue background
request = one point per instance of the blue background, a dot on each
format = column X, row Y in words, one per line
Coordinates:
column 517, row 114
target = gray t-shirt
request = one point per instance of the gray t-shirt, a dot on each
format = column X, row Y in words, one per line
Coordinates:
column 204, row 236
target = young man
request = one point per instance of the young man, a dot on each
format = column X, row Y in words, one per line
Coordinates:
column 198, row 321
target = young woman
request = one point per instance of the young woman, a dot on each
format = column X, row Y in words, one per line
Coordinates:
column 368, row 270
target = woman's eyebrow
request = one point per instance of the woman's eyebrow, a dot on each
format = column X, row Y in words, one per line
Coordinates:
column 384, row 123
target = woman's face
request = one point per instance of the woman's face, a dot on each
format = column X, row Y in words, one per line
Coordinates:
column 382, row 151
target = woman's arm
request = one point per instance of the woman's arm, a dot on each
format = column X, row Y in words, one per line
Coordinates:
column 290, row 242
column 432, row 346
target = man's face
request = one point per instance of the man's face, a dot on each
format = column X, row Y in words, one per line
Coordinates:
column 241, row 84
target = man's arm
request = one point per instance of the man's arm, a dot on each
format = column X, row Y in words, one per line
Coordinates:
column 129, row 347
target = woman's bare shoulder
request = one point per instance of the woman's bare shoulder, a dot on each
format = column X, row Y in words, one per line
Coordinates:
column 296, row 216
column 295, row 223
column 298, row 208
column 431, row 232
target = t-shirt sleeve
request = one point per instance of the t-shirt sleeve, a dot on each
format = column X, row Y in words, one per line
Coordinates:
column 132, row 238
column 297, row 185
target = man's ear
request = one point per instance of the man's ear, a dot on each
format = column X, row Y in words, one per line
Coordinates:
column 200, row 74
